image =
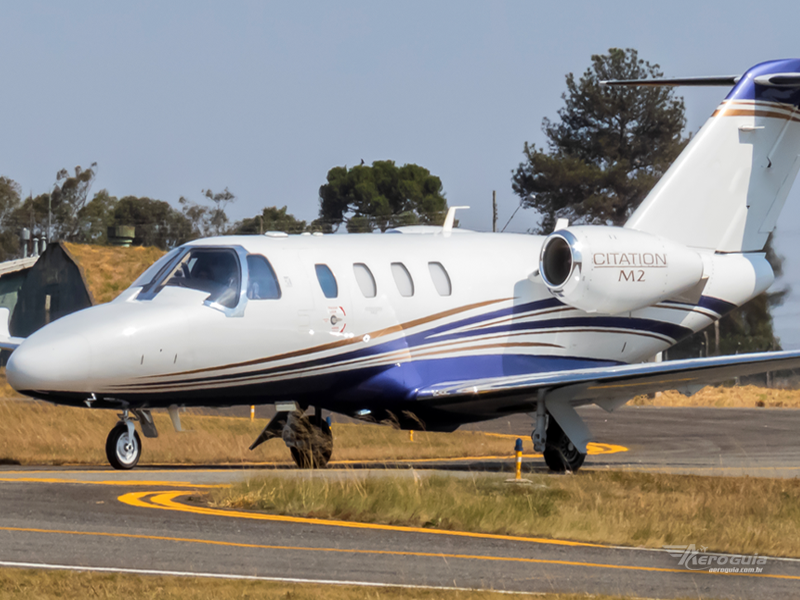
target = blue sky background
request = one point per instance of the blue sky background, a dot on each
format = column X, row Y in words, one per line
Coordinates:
column 170, row 98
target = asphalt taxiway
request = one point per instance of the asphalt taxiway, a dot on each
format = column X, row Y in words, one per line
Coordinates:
column 146, row 521
column 759, row 442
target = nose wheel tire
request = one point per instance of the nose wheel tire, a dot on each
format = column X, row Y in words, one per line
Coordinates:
column 560, row 454
column 123, row 452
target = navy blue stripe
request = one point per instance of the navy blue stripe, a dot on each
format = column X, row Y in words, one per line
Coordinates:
column 718, row 306
column 747, row 89
column 670, row 330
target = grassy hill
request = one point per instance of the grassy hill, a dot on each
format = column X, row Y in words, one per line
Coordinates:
column 108, row 270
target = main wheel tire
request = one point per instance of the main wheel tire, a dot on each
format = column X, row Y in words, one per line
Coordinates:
column 318, row 452
column 122, row 452
column 560, row 454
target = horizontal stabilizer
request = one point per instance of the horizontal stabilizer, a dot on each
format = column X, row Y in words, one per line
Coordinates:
column 618, row 381
column 726, row 80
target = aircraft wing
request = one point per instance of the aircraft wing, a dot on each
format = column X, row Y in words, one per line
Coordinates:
column 610, row 384
column 7, row 341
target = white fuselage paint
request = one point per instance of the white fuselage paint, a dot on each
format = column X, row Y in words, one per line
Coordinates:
column 500, row 319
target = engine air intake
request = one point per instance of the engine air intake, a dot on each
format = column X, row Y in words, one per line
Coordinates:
column 557, row 261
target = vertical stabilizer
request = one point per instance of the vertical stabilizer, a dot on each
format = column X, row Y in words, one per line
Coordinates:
column 727, row 188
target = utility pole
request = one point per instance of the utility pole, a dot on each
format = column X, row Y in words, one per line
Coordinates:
column 494, row 211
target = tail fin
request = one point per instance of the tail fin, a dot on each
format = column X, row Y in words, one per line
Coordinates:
column 727, row 188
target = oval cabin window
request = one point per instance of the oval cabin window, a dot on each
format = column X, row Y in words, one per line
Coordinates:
column 365, row 280
column 405, row 285
column 327, row 281
column 441, row 280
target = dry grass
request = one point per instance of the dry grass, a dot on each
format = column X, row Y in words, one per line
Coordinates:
column 746, row 396
column 110, row 269
column 6, row 391
column 727, row 514
column 49, row 585
column 39, row 433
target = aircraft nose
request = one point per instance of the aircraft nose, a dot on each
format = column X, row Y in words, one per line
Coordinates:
column 49, row 363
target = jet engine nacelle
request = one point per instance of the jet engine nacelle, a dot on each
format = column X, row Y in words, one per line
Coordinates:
column 612, row 270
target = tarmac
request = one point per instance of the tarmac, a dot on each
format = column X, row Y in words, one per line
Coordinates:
column 146, row 520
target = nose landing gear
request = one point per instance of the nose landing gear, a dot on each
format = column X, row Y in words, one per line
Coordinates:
column 123, row 446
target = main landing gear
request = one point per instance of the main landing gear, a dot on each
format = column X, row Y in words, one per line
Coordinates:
column 560, row 454
column 309, row 439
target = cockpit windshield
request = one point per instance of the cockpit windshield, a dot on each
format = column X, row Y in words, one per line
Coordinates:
column 154, row 269
column 212, row 270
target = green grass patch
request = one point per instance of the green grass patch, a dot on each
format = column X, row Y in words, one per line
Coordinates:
column 726, row 514
column 49, row 585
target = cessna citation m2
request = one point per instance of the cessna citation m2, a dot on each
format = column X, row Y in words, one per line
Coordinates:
column 431, row 327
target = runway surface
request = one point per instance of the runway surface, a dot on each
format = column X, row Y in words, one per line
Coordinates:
column 146, row 520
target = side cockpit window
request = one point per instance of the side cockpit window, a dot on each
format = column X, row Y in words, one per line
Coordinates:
column 263, row 284
column 153, row 270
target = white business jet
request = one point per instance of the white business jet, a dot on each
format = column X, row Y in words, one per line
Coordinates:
column 432, row 327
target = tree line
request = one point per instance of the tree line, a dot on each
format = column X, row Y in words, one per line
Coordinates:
column 362, row 198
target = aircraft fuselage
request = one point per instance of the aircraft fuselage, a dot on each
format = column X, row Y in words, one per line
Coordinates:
column 358, row 324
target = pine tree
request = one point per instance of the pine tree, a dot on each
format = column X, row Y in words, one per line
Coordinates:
column 608, row 148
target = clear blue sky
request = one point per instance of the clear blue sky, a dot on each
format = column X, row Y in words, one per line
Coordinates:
column 170, row 98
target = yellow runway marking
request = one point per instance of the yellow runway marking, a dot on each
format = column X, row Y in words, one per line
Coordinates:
column 126, row 483
column 592, row 448
column 149, row 469
column 166, row 501
column 514, row 559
